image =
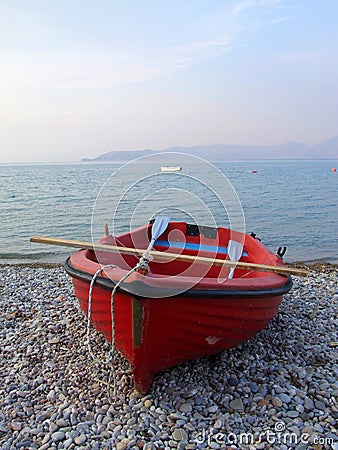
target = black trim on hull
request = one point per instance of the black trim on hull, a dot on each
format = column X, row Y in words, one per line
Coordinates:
column 152, row 292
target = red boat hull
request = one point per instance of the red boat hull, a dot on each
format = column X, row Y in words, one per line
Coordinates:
column 156, row 333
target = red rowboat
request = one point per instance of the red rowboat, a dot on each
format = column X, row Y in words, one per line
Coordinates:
column 178, row 309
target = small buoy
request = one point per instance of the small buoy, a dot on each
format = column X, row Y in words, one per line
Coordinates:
column 254, row 171
column 334, row 170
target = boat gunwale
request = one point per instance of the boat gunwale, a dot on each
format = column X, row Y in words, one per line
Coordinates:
column 108, row 285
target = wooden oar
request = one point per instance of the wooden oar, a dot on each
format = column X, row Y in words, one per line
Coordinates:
column 166, row 255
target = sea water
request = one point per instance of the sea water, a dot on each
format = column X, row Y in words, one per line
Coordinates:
column 286, row 203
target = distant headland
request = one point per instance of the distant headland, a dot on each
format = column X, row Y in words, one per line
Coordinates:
column 327, row 149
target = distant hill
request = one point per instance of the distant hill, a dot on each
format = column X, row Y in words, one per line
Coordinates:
column 120, row 155
column 327, row 149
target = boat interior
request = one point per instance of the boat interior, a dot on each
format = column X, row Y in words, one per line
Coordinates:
column 181, row 238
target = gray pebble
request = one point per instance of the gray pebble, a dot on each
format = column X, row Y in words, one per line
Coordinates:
column 58, row 436
column 213, row 409
column 293, row 414
column 180, row 435
column 67, row 443
column 81, row 439
column 237, row 404
column 285, row 398
column 308, row 404
column 186, row 408
column 320, row 405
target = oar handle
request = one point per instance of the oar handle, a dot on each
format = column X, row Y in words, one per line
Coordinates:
column 170, row 256
column 85, row 245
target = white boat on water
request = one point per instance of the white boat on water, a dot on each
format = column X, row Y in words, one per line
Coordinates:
column 170, row 168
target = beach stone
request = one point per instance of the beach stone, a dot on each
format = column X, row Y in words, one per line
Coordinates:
column 44, row 447
column 285, row 398
column 218, row 424
column 73, row 419
column 176, row 416
column 233, row 381
column 308, row 404
column 320, row 405
column 278, row 389
column 58, row 436
column 186, row 408
column 237, row 404
column 265, row 402
column 53, row 427
column 81, row 439
column 293, row 414
column 51, row 395
column 15, row 426
column 26, row 443
column 214, row 445
column 67, row 443
column 213, row 409
column 318, row 428
column 62, row 423
column 277, row 402
column 309, row 429
column 73, row 434
column 3, row 428
column 43, row 416
column 123, row 445
column 301, row 446
column 180, row 435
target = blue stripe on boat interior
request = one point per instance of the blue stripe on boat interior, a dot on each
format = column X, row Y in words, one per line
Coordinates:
column 191, row 246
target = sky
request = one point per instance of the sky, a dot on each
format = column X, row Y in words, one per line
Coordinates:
column 80, row 78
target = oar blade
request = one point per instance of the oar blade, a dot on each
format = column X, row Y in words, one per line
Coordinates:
column 159, row 226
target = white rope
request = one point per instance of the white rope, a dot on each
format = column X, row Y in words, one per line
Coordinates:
column 142, row 266
column 89, row 314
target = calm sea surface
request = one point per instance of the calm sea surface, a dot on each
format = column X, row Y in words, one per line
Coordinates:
column 286, row 203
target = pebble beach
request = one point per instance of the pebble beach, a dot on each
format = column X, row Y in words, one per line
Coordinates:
column 279, row 390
